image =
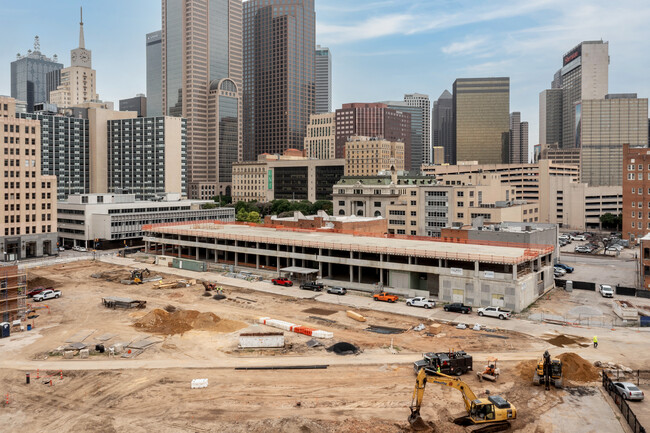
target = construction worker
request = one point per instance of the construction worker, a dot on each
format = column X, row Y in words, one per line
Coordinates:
column 438, row 369
column 595, row 342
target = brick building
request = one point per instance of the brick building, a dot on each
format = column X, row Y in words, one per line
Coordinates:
column 636, row 192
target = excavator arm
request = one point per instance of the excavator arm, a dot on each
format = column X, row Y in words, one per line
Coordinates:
column 441, row 379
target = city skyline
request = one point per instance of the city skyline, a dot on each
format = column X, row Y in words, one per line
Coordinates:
column 522, row 41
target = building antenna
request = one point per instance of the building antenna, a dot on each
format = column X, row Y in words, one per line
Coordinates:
column 37, row 43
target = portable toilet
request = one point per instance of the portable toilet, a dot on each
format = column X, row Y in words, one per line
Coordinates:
column 569, row 286
column 5, row 329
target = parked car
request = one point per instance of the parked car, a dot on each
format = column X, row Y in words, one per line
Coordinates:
column 386, row 297
column 420, row 301
column 565, row 237
column 606, row 291
column 499, row 312
column 337, row 290
column 47, row 294
column 557, row 273
column 61, row 248
column 582, row 249
column 458, row 308
column 579, row 238
column 628, row 391
column 567, row 268
column 282, row 282
column 36, row 291
column 559, row 270
column 311, row 285
column 82, row 249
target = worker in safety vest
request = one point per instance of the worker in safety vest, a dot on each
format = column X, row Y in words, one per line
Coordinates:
column 595, row 342
column 438, row 369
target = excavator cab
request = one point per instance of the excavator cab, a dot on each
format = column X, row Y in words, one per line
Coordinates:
column 548, row 372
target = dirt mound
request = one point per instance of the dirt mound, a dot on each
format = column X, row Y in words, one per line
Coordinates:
column 161, row 322
column 578, row 369
column 41, row 282
column 566, row 340
column 526, row 369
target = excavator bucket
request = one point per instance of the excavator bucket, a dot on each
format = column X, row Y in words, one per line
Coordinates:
column 417, row 423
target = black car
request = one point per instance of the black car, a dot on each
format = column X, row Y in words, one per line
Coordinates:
column 316, row 287
column 458, row 308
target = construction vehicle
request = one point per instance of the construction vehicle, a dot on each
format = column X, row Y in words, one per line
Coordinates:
column 137, row 275
column 491, row 414
column 548, row 371
column 491, row 371
column 452, row 363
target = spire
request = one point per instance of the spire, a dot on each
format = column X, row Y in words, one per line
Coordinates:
column 81, row 29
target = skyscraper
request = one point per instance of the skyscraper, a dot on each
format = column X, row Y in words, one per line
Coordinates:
column 418, row 144
column 424, row 103
column 443, row 126
column 550, row 116
column 323, row 77
column 77, row 82
column 279, row 84
column 154, row 74
column 29, row 76
column 138, row 104
column 373, row 120
column 518, row 139
column 481, row 120
column 202, row 81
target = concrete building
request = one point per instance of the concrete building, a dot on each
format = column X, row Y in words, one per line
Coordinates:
column 418, row 144
column 202, row 82
column 108, row 220
column 550, row 117
column 603, row 126
column 424, row 103
column 438, row 155
column 636, row 192
column 138, row 104
column 557, row 155
column 279, row 78
column 147, row 156
column 367, row 156
column 373, row 120
column 323, row 80
column 518, row 139
column 27, row 228
column 29, row 76
column 154, row 74
column 65, row 149
column 481, row 120
column 287, row 177
column 320, row 141
column 13, row 293
column 470, row 272
column 585, row 75
column 443, row 126
column 78, row 81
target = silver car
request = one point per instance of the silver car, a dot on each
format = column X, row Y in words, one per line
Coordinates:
column 337, row 290
column 628, row 391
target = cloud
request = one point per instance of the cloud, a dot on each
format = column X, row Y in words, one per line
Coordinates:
column 370, row 29
column 468, row 46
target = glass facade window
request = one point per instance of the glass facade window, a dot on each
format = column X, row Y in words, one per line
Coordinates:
column 291, row 183
column 228, row 135
column 174, row 57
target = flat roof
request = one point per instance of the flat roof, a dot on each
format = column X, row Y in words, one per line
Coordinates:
column 484, row 251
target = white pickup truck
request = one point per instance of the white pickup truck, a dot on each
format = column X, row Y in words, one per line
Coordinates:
column 47, row 294
column 494, row 312
column 420, row 301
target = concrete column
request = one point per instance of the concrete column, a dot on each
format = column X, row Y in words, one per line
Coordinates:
column 293, row 259
column 257, row 261
column 197, row 253
column 216, row 254
column 236, row 258
column 476, row 272
column 381, row 275
column 329, row 269
column 163, row 249
column 359, row 274
column 351, row 273
column 179, row 251
column 514, row 272
column 320, row 268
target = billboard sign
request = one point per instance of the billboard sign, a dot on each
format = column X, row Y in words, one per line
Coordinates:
column 572, row 55
column 270, row 179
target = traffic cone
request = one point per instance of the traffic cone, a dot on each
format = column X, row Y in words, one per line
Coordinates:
column 61, row 372
column 37, row 374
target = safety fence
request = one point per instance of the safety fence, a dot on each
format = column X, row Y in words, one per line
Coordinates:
column 622, row 405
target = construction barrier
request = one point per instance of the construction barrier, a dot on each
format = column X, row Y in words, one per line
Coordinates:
column 292, row 327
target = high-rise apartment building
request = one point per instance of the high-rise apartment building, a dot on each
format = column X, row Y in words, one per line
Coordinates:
column 65, row 149
column 138, row 104
column 146, row 156
column 481, row 119
column 367, row 156
column 604, row 125
column 323, row 80
column 154, row 74
column 279, row 82
column 202, row 81
column 550, row 116
column 518, row 139
column 78, row 81
column 373, row 120
column 29, row 76
column 443, row 126
column 28, row 199
column 424, row 103
column 320, row 142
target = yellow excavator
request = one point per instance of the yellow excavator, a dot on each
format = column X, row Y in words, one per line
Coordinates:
column 548, row 371
column 491, row 414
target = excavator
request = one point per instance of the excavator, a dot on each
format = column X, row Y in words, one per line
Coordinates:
column 484, row 415
column 137, row 275
column 548, row 371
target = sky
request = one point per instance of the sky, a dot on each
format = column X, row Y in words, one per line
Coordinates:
column 381, row 49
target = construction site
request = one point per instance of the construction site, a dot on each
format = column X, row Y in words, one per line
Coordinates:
column 122, row 349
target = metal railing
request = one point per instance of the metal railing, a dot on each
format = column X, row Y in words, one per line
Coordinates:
column 622, row 405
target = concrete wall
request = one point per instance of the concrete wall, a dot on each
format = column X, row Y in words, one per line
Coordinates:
column 268, row 340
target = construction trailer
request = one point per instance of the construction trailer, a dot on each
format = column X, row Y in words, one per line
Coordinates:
column 13, row 293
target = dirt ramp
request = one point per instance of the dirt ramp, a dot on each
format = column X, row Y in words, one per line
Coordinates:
column 178, row 322
column 578, row 369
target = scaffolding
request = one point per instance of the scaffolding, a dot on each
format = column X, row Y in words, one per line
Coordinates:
column 13, row 293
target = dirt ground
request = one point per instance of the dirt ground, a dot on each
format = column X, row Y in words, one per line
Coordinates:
column 103, row 394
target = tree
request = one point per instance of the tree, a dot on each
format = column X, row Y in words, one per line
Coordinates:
column 242, row 215
column 325, row 205
column 253, row 217
column 222, row 200
column 279, row 206
column 611, row 221
column 209, row 206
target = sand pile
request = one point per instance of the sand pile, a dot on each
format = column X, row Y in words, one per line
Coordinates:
column 565, row 340
column 161, row 322
column 577, row 369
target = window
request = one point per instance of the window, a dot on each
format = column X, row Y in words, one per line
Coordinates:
column 414, row 203
column 414, row 193
column 640, row 176
column 460, row 215
column 460, row 204
column 377, row 204
column 633, row 190
column 414, row 213
column 414, row 223
column 413, row 233
column 633, row 214
column 341, row 203
column 630, row 176
column 460, row 194
column 401, row 232
column 633, row 204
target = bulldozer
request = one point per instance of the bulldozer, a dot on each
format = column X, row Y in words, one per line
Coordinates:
column 137, row 275
column 548, row 371
column 491, row 371
column 484, row 415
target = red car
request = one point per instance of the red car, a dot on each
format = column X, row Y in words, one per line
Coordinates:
column 282, row 282
column 36, row 291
